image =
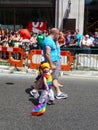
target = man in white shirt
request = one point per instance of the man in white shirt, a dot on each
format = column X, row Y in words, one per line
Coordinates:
column 86, row 44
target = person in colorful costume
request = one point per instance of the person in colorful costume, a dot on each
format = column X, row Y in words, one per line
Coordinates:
column 47, row 91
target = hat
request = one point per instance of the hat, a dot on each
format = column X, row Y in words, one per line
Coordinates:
column 45, row 65
column 87, row 36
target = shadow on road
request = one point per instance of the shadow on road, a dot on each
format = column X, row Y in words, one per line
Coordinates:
column 31, row 98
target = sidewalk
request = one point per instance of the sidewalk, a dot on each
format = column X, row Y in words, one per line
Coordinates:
column 81, row 73
column 24, row 70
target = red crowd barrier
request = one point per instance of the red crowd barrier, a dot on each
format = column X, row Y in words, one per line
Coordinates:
column 10, row 54
column 66, row 66
column 34, row 57
column 34, row 62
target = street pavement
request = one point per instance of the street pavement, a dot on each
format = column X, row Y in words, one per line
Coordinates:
column 78, row 112
column 26, row 71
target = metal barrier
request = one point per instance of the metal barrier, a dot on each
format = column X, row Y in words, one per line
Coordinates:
column 82, row 60
column 86, row 62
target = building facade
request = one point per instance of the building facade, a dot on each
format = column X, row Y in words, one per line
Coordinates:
column 70, row 14
column 91, row 16
column 63, row 14
column 20, row 12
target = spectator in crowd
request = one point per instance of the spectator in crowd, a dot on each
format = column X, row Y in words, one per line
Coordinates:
column 78, row 37
column 95, row 34
column 86, row 44
column 68, row 38
column 61, row 39
column 4, row 40
column 40, row 38
column 0, row 36
column 33, row 41
column 46, row 33
column 93, row 48
column 91, row 37
column 73, row 43
column 2, row 30
column 26, row 44
column 79, row 40
column 16, row 39
column 95, row 42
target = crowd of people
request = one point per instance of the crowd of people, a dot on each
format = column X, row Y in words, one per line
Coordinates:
column 69, row 40
column 10, row 38
column 79, row 43
column 51, row 42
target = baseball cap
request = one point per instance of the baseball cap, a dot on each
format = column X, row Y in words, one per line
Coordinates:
column 87, row 36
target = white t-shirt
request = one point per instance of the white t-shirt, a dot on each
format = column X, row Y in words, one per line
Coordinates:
column 87, row 43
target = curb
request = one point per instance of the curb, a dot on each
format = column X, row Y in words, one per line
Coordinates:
column 13, row 70
column 86, row 74
column 74, row 73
